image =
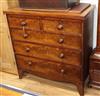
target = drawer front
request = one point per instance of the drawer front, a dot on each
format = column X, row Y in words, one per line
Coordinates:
column 72, row 73
column 94, row 65
column 95, row 76
column 66, row 41
column 48, row 69
column 62, row 27
column 40, row 67
column 23, row 22
column 49, row 53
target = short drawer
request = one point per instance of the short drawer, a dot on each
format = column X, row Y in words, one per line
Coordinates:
column 67, row 41
column 49, row 53
column 23, row 22
column 40, row 67
column 62, row 27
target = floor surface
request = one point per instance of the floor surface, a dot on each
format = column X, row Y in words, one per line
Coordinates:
column 44, row 87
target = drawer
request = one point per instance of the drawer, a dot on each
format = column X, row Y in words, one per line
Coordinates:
column 49, row 53
column 40, row 67
column 72, row 73
column 23, row 22
column 48, row 69
column 67, row 41
column 95, row 65
column 95, row 75
column 62, row 27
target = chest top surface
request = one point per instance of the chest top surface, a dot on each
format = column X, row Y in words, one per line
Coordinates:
column 79, row 12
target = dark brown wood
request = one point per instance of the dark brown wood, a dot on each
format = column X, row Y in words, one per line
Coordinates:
column 98, row 36
column 80, row 8
column 48, row 53
column 54, row 45
column 48, row 4
column 95, row 60
column 47, row 38
column 95, row 69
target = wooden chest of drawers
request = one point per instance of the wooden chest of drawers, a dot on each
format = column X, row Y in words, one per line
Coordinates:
column 95, row 69
column 54, row 45
column 95, row 59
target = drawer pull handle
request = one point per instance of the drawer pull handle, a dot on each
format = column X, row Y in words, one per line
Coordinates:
column 61, row 55
column 60, row 27
column 25, row 35
column 23, row 23
column 29, row 63
column 27, row 49
column 61, row 40
column 62, row 70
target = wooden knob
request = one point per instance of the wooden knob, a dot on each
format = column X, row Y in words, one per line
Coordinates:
column 61, row 40
column 23, row 23
column 61, row 55
column 27, row 49
column 60, row 27
column 62, row 70
column 25, row 35
column 29, row 63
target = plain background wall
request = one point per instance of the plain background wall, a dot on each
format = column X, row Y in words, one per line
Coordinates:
column 94, row 2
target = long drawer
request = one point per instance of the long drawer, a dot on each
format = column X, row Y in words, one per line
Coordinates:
column 49, row 53
column 67, row 41
column 95, row 65
column 95, row 76
column 48, row 69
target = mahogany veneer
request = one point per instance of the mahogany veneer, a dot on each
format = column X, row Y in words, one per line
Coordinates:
column 95, row 60
column 95, row 69
column 55, row 45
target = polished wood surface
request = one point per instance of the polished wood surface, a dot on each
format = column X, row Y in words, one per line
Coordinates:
column 57, row 4
column 48, row 53
column 98, row 36
column 47, row 38
column 95, row 60
column 95, row 69
column 53, row 46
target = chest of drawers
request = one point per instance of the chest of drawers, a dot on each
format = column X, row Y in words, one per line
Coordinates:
column 54, row 45
column 95, row 69
column 95, row 59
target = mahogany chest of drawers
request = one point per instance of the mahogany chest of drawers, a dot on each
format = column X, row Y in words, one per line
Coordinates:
column 52, row 44
column 95, row 60
column 95, row 69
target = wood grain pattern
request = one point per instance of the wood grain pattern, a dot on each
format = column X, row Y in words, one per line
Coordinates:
column 42, row 37
column 48, row 69
column 49, row 53
column 95, row 69
column 58, row 45
column 98, row 36
column 23, row 23
column 66, row 26
column 95, row 60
